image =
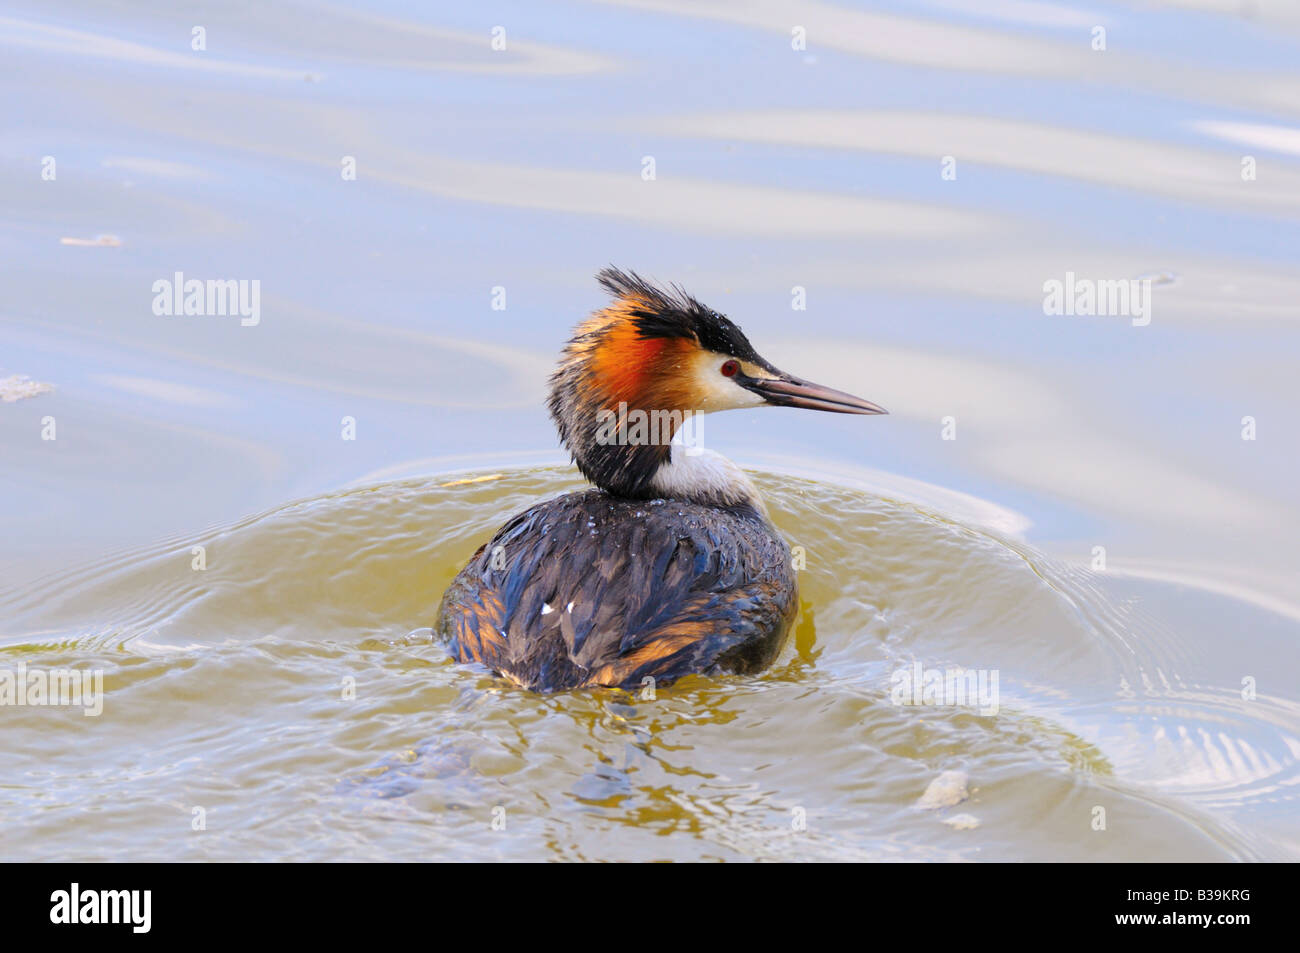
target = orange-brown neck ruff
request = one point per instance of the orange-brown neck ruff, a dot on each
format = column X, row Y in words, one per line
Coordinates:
column 611, row 366
column 641, row 372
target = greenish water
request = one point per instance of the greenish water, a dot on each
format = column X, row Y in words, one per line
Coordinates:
column 290, row 692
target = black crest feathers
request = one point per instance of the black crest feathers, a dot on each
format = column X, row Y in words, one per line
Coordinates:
column 672, row 313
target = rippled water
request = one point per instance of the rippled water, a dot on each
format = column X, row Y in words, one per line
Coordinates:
column 226, row 690
column 1098, row 533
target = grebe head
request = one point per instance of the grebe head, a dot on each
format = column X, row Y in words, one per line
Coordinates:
column 636, row 370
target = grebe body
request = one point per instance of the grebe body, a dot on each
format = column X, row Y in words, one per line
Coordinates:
column 593, row 589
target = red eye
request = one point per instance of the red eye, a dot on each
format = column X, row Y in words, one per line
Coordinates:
column 729, row 368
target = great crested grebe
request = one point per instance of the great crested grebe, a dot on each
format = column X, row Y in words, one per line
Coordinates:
column 671, row 566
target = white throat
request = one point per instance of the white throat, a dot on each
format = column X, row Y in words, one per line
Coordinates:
column 700, row 475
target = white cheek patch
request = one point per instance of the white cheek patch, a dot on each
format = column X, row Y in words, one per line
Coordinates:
column 713, row 390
